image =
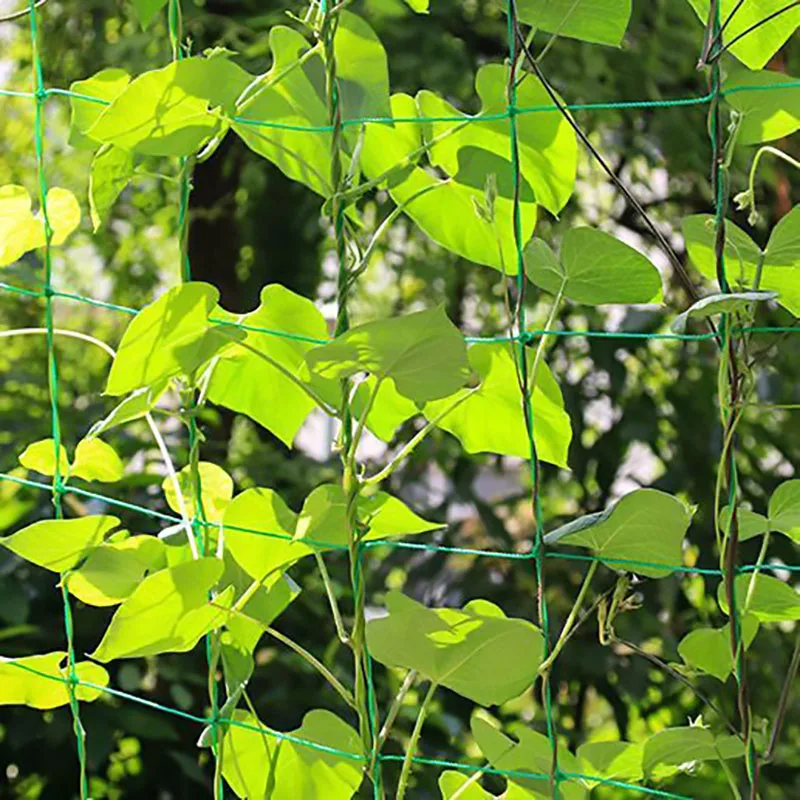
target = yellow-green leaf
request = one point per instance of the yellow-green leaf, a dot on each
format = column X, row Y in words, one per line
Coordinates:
column 96, row 461
column 41, row 457
column 104, row 87
column 216, row 491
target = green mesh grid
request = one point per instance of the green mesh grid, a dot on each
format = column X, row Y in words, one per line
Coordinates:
column 539, row 554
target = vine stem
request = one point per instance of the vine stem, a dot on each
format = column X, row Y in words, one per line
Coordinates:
column 394, row 709
column 570, row 621
column 341, row 631
column 405, row 772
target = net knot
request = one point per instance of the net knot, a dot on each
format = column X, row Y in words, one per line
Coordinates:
column 59, row 487
column 537, row 550
column 49, row 291
column 560, row 776
column 526, row 337
column 40, row 94
column 512, row 111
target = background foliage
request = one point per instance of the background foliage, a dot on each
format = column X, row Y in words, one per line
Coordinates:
column 641, row 410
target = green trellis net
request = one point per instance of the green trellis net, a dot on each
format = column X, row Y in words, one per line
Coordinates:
column 517, row 51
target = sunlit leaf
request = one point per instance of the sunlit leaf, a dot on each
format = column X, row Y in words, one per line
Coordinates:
column 597, row 21
column 147, row 9
column 216, row 491
column 709, row 649
column 620, row 761
column 168, row 612
column 477, row 651
column 594, row 268
column 768, row 114
column 784, row 509
column 389, row 408
column 491, row 418
column 96, row 461
column 645, row 527
column 59, row 544
column 674, row 747
column 138, row 403
column 170, row 337
column 104, row 87
column 531, row 753
column 113, row 570
column 266, row 385
column 112, row 169
column 41, row 457
column 771, row 599
column 41, row 681
column 423, row 354
column 253, row 759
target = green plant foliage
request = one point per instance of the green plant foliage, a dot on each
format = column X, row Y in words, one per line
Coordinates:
column 597, row 21
column 709, row 649
column 769, row 600
column 766, row 115
column 594, row 268
column 675, row 747
column 266, row 376
column 41, row 681
column 59, row 544
column 620, row 761
column 750, row 523
column 21, row 231
column 146, row 10
column 758, row 46
column 112, row 169
column 477, row 651
column 96, row 461
column 104, row 88
column 490, row 417
column 170, row 337
column 389, row 408
column 168, row 612
column 138, row 403
column 784, row 509
column 41, row 457
column 721, row 303
column 256, row 764
column 114, row 569
column 423, row 354
column 781, row 257
column 531, row 753
column 216, row 491
column 646, row 525
column 172, row 111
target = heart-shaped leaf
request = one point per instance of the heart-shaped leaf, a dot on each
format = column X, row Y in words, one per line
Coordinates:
column 216, row 491
column 784, row 509
column 766, row 115
column 709, row 649
column 621, row 761
column 646, row 527
column 477, row 651
column 597, row 21
column 771, row 600
column 674, row 747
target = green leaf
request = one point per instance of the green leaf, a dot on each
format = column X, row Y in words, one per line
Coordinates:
column 257, row 764
column 391, row 153
column 477, row 651
column 720, row 304
column 21, row 685
column 758, row 46
column 268, row 385
column 389, row 408
column 772, row 600
column 294, row 94
column 423, row 354
column 105, row 87
column 530, row 753
column 112, row 169
column 96, row 461
column 147, row 9
column 21, row 231
column 491, row 418
column 140, row 402
column 450, row 783
column 259, row 531
column 59, row 544
column 168, row 612
column 418, row 6
column 595, row 268
column 750, row 523
column 113, row 570
column 323, row 518
column 174, row 110
column 170, row 337
column 675, row 747
column 645, row 526
column 709, row 649
column 597, row 21
column 766, row 115
column 41, row 457
column 216, row 491
column 784, row 509
column 621, row 761
column 781, row 269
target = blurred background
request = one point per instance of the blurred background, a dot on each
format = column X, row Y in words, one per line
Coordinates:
column 643, row 412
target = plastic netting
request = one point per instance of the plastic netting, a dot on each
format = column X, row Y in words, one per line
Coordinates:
column 540, row 553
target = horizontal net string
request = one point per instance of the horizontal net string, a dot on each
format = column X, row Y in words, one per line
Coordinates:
column 298, row 740
column 510, row 111
column 393, row 544
column 526, row 336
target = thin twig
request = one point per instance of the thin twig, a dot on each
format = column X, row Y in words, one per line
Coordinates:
column 23, row 12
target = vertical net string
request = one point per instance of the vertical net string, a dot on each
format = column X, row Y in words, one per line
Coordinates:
column 527, row 406
column 58, row 487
